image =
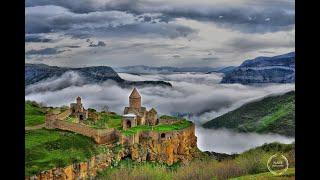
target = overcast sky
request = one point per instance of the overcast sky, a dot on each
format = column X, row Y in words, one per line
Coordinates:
column 157, row 32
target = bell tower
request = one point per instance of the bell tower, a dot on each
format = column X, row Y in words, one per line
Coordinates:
column 135, row 99
column 78, row 100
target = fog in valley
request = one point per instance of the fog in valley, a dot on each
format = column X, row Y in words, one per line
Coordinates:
column 227, row 141
column 200, row 96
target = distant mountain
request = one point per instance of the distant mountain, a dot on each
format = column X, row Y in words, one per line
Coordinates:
column 274, row 114
column 140, row 69
column 277, row 69
column 224, row 70
column 35, row 73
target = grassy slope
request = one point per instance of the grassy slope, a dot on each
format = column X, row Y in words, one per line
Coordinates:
column 288, row 175
column 251, row 163
column 106, row 121
column 272, row 114
column 34, row 115
column 159, row 128
column 45, row 149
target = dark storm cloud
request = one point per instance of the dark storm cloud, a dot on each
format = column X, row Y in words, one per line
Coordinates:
column 99, row 44
column 72, row 46
column 47, row 19
column 45, row 51
column 36, row 38
column 246, row 16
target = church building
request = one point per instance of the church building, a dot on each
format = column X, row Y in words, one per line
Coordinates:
column 135, row 114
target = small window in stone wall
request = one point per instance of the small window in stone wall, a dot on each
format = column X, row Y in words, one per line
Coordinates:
column 163, row 135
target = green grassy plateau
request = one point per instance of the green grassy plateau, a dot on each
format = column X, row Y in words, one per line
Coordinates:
column 107, row 120
column 34, row 114
column 158, row 128
column 272, row 114
column 46, row 149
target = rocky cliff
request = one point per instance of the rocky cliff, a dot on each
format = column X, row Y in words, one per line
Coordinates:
column 277, row 69
column 162, row 147
column 83, row 170
column 170, row 148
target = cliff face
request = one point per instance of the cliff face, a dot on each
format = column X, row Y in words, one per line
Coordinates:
column 170, row 148
column 163, row 147
column 82, row 170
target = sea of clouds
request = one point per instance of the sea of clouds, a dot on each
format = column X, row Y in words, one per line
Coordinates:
column 196, row 94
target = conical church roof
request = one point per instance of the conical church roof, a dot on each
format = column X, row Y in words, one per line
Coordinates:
column 153, row 110
column 135, row 94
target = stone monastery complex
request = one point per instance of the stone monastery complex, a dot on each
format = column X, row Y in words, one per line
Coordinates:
column 134, row 115
column 138, row 134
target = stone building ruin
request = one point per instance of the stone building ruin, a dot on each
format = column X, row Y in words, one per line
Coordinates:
column 78, row 111
column 128, row 121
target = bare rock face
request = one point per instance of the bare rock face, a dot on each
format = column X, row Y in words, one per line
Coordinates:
column 179, row 146
column 82, row 170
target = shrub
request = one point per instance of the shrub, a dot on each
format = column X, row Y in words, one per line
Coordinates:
column 228, row 169
column 254, row 161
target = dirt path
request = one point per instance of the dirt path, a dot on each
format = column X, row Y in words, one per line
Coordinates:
column 34, row 127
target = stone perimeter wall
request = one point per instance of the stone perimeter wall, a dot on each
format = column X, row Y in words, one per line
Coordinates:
column 101, row 136
column 168, row 121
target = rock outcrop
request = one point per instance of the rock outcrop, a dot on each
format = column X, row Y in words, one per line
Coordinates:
column 83, row 170
column 167, row 148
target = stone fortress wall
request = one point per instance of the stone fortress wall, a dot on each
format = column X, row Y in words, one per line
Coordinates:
column 168, row 120
column 64, row 115
column 101, row 136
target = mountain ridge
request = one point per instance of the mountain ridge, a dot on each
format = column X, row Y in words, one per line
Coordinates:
column 272, row 114
column 142, row 69
column 276, row 69
column 35, row 73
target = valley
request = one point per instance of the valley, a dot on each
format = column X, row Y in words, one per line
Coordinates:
column 270, row 115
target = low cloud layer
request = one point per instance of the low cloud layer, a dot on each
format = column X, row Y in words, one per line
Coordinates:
column 200, row 97
column 227, row 141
